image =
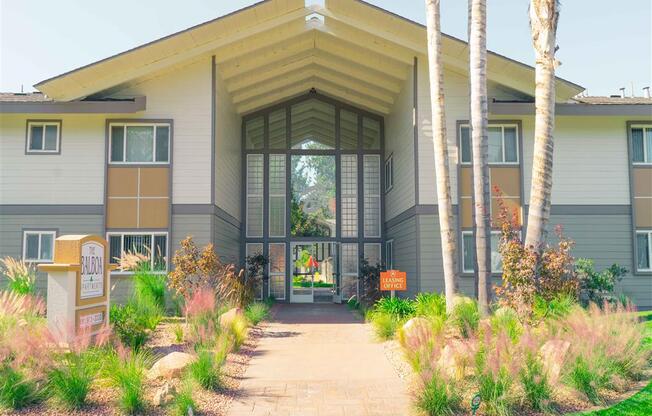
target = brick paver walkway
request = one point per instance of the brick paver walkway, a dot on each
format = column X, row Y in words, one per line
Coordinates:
column 319, row 360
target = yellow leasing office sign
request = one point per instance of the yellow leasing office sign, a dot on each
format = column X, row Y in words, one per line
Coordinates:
column 78, row 284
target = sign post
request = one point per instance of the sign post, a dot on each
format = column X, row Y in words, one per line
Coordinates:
column 78, row 285
column 393, row 280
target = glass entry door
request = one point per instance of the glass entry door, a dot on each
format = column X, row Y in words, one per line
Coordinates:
column 315, row 272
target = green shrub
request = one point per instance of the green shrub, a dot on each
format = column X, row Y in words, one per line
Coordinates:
column 384, row 324
column 131, row 328
column 399, row 308
column 177, row 331
column 256, row 312
column 16, row 390
column 438, row 397
column 534, row 382
column 183, row 401
column 70, row 381
column 465, row 316
column 206, row 369
column 430, row 304
column 353, row 303
column 238, row 329
column 587, row 378
column 493, row 389
column 125, row 370
column 555, row 308
column 598, row 287
column 505, row 319
column 149, row 288
column 21, row 275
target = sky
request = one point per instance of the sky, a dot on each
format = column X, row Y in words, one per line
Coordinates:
column 604, row 45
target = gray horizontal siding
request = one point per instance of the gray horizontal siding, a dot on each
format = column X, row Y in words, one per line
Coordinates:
column 11, row 234
column 432, row 267
column 607, row 239
column 405, row 251
column 226, row 238
column 184, row 225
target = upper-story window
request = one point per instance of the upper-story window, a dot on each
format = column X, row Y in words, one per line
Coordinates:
column 642, row 144
column 43, row 137
column 503, row 144
column 139, row 143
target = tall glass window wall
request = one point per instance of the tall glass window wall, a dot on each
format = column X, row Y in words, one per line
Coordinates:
column 313, row 175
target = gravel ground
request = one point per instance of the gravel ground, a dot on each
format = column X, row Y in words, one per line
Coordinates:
column 101, row 400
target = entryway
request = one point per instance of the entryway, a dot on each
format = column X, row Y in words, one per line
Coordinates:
column 315, row 272
column 319, row 359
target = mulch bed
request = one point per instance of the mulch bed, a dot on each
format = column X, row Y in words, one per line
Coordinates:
column 102, row 399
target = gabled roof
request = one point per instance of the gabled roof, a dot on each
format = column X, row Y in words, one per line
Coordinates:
column 278, row 48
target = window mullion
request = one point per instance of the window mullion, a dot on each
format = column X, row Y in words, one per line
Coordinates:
column 502, row 138
column 154, row 144
column 124, row 144
column 38, row 253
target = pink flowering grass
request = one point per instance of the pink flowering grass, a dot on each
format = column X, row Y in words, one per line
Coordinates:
column 606, row 346
column 202, row 314
column 430, row 354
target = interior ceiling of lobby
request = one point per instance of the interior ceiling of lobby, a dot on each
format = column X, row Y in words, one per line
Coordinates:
column 277, row 49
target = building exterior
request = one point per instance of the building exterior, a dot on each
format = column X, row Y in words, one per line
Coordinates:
column 303, row 132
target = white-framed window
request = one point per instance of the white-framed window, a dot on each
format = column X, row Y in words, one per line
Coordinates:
column 43, row 137
column 389, row 254
column 38, row 246
column 503, row 144
column 644, row 251
column 138, row 143
column 468, row 252
column 642, row 145
column 389, row 173
column 153, row 245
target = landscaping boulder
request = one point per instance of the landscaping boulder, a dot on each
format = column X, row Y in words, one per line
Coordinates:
column 227, row 317
column 170, row 366
column 553, row 353
column 164, row 394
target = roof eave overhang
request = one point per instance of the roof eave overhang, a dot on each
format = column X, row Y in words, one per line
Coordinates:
column 566, row 109
column 233, row 29
column 75, row 107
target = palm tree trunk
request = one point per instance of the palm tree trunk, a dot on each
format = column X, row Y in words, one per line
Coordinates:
column 481, row 186
column 544, row 15
column 444, row 199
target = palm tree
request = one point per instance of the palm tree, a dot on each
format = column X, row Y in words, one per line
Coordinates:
column 544, row 15
column 444, row 199
column 481, row 187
